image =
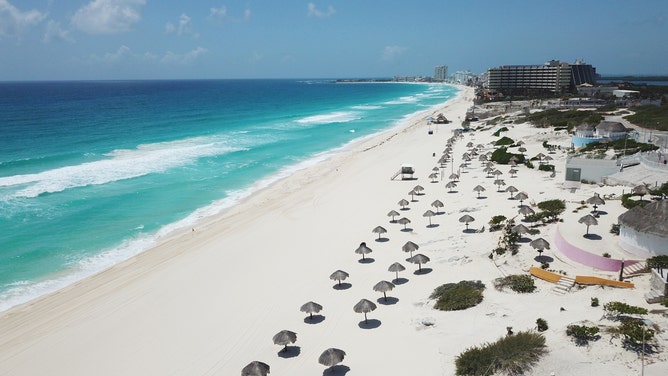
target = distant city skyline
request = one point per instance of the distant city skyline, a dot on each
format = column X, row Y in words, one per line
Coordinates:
column 170, row 39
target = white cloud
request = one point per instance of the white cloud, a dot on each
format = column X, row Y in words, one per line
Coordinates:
column 188, row 57
column 14, row 22
column 108, row 16
column 184, row 27
column 313, row 11
column 221, row 14
column 390, row 53
column 54, row 32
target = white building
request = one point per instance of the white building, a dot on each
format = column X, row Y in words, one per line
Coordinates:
column 441, row 73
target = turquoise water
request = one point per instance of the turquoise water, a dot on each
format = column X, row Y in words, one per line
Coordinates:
column 92, row 173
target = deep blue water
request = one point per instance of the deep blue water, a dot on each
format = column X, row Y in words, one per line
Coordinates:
column 92, row 173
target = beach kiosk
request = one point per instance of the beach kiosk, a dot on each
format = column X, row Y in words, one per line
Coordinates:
column 407, row 171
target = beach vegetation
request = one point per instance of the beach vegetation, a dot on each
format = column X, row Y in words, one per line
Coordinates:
column 594, row 302
column 633, row 331
column 563, row 119
column 458, row 296
column 652, row 117
column 522, row 283
column 614, row 228
column 512, row 355
column 664, row 302
column 582, row 334
column 496, row 223
column 529, row 164
column 606, row 255
column 498, row 132
column 658, row 262
column 502, row 156
column 503, row 141
column 620, row 308
column 623, row 146
column 541, row 325
column 546, row 167
column 552, row 208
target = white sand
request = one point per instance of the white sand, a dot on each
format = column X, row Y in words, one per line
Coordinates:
column 208, row 302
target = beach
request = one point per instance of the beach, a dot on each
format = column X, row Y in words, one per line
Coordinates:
column 207, row 300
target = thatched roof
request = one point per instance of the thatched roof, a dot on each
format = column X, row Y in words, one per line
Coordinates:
column 610, row 126
column 651, row 218
column 585, row 127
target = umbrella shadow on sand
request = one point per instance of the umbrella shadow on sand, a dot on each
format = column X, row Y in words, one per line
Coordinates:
column 423, row 271
column 390, row 300
column 290, row 352
column 315, row 319
column 369, row 324
column 400, row 281
column 367, row 260
column 337, row 370
column 470, row 231
column 543, row 259
column 433, row 225
column 382, row 240
column 592, row 236
column 342, row 286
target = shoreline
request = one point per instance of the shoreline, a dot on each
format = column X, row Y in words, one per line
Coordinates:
column 207, row 302
column 130, row 248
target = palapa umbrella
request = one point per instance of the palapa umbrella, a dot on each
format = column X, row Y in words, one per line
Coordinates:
column 339, row 276
column 466, row 219
column 419, row 259
column 588, row 220
column 412, row 193
column 526, row 211
column 520, row 229
column 404, row 221
column 540, row 244
column 429, row 214
column 410, row 247
column 311, row 308
column 418, row 189
column 450, row 185
column 479, row 189
column 453, row 177
column 511, row 189
column 363, row 249
column 384, row 287
column 521, row 196
column 364, row 306
column 640, row 190
column 393, row 213
column 437, row 204
column 331, row 357
column 497, row 173
column 499, row 183
column 284, row 338
column 255, row 368
column 396, row 268
column 434, row 177
column 522, row 150
column 595, row 200
column 540, row 157
column 380, row 230
column 488, row 170
column 403, row 203
column 512, row 172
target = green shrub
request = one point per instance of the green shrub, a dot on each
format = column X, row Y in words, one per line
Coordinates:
column 594, row 302
column 664, row 303
column 582, row 334
column 606, row 255
column 521, row 283
column 498, row 132
column 658, row 262
column 512, row 355
column 546, row 167
column 620, row 308
column 633, row 331
column 529, row 164
column 503, row 141
column 458, row 296
column 502, row 156
column 614, row 229
column 541, row 325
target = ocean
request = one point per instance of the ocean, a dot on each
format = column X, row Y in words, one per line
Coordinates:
column 92, row 173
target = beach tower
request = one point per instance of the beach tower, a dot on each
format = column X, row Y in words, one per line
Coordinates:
column 407, row 171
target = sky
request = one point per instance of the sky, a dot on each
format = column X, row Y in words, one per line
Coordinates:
column 201, row 39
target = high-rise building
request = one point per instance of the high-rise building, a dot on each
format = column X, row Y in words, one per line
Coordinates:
column 552, row 76
column 441, row 73
column 583, row 73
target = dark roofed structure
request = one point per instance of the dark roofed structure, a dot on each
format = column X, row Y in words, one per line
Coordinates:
column 650, row 219
column 610, row 127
